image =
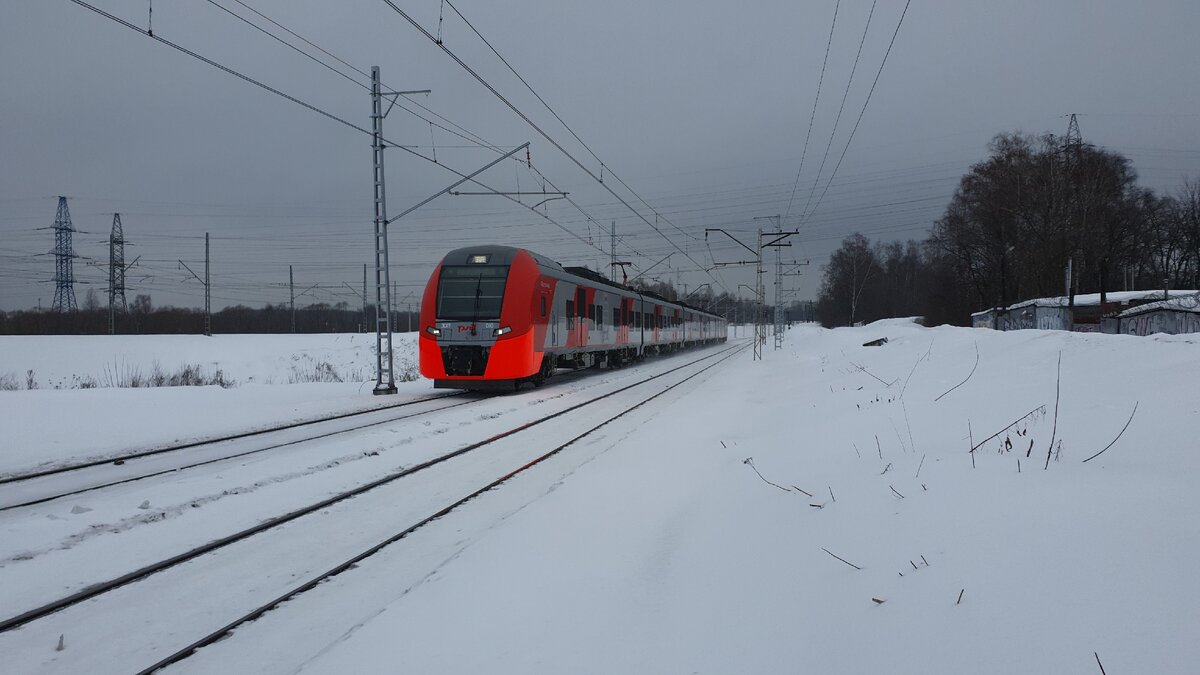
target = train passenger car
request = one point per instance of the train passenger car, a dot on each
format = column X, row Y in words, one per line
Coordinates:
column 493, row 317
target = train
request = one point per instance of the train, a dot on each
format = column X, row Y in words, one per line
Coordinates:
column 497, row 317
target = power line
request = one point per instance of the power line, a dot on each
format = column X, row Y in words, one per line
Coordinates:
column 487, row 85
column 841, row 107
column 813, row 116
column 864, row 107
column 470, row 136
column 560, row 119
column 317, row 110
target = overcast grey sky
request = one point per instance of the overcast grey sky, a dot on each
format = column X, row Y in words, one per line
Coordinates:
column 701, row 106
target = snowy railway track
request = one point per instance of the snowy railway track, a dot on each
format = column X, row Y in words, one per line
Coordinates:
column 122, row 596
column 65, row 481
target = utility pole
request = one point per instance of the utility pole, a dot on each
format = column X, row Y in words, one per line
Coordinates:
column 612, row 258
column 760, row 336
column 777, row 241
column 64, row 253
column 385, row 381
column 207, row 291
column 364, row 300
column 207, row 287
column 760, row 331
column 778, row 298
column 292, row 296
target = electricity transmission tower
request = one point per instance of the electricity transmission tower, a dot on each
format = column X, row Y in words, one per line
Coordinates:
column 64, row 253
column 1074, row 141
column 116, row 273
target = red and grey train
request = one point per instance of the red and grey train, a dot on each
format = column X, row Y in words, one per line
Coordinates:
column 497, row 316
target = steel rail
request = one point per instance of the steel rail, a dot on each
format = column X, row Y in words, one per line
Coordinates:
column 258, row 612
column 244, row 453
column 210, row 441
column 102, row 587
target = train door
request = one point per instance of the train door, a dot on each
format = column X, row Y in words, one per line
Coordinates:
column 581, row 312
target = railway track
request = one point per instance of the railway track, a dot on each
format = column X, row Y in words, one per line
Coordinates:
column 118, row 459
column 108, row 591
column 85, row 477
column 38, row 487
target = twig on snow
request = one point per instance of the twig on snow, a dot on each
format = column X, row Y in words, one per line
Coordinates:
column 1135, row 407
column 960, row 593
column 919, row 467
column 856, row 450
column 750, row 461
column 1008, row 426
column 903, row 448
column 971, row 441
column 878, row 448
column 831, row 494
column 841, row 558
column 911, row 442
column 1057, row 391
column 804, row 491
column 968, row 376
column 898, row 495
column 1099, row 664
column 864, row 369
column 886, row 469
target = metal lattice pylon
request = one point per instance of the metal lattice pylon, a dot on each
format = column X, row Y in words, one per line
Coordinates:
column 116, row 273
column 64, row 253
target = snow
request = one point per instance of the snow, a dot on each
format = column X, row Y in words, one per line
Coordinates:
column 114, row 421
column 65, row 361
column 1186, row 303
column 1093, row 299
column 652, row 546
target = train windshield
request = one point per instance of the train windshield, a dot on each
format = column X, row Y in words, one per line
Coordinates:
column 471, row 292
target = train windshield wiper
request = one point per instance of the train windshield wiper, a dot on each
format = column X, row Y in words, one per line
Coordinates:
column 475, row 308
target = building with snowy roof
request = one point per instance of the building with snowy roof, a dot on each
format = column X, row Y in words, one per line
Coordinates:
column 1173, row 316
column 1086, row 315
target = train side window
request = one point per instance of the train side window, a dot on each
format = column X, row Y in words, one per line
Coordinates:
column 543, row 306
column 581, row 302
column 616, row 316
column 570, row 314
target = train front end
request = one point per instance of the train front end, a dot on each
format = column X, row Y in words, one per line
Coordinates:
column 476, row 328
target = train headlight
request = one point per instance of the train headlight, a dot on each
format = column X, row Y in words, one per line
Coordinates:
column 502, row 331
column 433, row 330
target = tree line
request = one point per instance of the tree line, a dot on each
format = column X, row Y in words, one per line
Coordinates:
column 1017, row 222
column 144, row 318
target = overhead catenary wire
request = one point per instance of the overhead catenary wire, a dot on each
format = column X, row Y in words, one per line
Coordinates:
column 841, row 107
column 487, row 85
column 466, row 135
column 559, row 118
column 317, row 110
column 813, row 116
column 862, row 111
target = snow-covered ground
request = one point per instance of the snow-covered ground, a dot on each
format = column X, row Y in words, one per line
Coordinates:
column 69, row 361
column 328, row 374
column 655, row 545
